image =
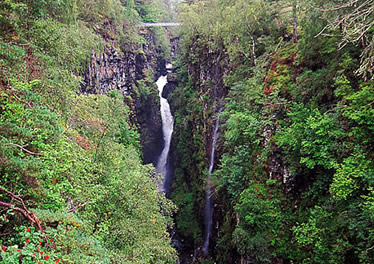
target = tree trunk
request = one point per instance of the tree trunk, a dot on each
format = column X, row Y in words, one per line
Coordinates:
column 253, row 50
column 294, row 22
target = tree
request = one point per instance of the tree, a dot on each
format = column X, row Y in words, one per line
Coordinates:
column 354, row 20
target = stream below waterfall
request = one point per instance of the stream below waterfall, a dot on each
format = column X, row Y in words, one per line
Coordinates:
column 162, row 165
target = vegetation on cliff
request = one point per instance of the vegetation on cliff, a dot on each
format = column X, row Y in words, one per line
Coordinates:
column 73, row 188
column 294, row 182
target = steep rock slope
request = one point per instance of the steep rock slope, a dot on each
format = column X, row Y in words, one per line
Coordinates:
column 132, row 73
column 195, row 102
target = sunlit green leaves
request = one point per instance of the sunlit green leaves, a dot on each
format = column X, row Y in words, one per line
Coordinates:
column 318, row 240
column 69, row 45
column 350, row 174
column 310, row 137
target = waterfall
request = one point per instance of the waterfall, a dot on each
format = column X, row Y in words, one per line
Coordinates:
column 208, row 211
column 167, row 130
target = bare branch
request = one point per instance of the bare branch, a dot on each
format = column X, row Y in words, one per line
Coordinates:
column 335, row 8
column 355, row 19
column 19, row 99
column 73, row 209
column 25, row 212
column 25, row 150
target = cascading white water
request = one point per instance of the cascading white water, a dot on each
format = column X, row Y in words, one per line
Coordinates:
column 208, row 211
column 167, row 130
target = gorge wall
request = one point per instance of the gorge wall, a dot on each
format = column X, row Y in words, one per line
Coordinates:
column 293, row 181
column 196, row 102
column 132, row 73
column 250, row 151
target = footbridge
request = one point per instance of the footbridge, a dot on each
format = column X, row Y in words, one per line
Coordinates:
column 161, row 24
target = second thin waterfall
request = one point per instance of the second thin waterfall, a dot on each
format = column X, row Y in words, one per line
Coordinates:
column 208, row 211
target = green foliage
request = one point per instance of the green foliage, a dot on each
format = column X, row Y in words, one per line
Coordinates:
column 26, row 130
column 260, row 222
column 95, row 161
column 353, row 170
column 251, row 26
column 242, row 128
column 70, row 50
column 234, row 24
column 163, row 42
column 360, row 111
column 186, row 221
column 310, row 138
column 31, row 247
column 149, row 10
column 313, row 235
column 74, row 159
column 241, row 142
column 10, row 57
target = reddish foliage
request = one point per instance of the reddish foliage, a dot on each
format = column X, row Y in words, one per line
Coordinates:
column 273, row 72
column 84, row 142
column 273, row 66
column 269, row 89
column 34, row 65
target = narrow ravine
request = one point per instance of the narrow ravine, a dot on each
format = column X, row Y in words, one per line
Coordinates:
column 208, row 211
column 162, row 166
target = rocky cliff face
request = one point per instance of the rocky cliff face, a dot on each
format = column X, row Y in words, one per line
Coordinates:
column 124, row 72
column 110, row 71
column 277, row 167
column 208, row 69
column 175, row 47
column 172, row 76
column 171, row 85
column 114, row 71
column 196, row 102
column 205, row 72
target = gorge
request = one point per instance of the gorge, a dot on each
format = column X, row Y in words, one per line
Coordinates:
column 241, row 134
